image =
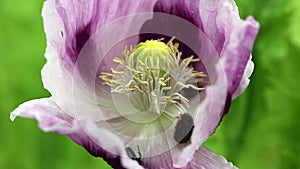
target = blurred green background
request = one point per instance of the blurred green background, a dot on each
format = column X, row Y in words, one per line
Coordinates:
column 261, row 130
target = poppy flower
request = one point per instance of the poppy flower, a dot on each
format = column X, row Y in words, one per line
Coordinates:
column 143, row 84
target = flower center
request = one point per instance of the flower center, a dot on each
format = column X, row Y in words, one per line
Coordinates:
column 152, row 75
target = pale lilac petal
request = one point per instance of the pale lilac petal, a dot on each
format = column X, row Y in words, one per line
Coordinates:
column 151, row 140
column 48, row 114
column 159, row 161
column 205, row 159
column 202, row 159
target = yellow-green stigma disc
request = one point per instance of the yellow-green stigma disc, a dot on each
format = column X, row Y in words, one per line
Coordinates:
column 153, row 53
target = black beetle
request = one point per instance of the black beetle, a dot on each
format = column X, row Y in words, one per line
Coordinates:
column 131, row 154
column 184, row 128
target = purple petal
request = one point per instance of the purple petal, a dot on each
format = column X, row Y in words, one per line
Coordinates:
column 160, row 161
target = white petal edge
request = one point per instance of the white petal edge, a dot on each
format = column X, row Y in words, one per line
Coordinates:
column 56, row 79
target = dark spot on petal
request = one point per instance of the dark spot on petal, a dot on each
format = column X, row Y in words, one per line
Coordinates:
column 74, row 46
column 82, row 35
column 181, row 9
column 227, row 104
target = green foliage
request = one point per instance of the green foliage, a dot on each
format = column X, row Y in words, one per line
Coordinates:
column 260, row 131
column 295, row 24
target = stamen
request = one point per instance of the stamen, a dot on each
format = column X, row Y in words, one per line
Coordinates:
column 153, row 74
